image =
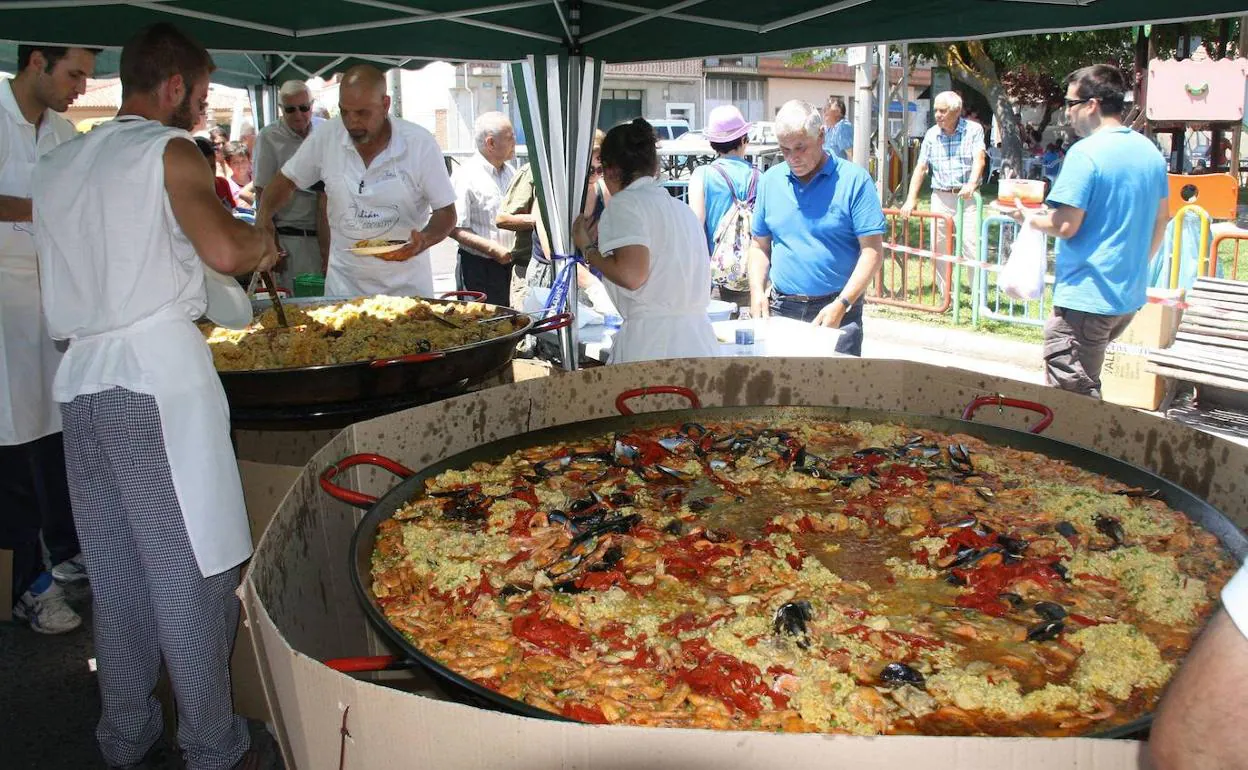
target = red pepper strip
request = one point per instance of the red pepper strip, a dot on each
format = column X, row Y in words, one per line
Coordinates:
column 737, row 683
column 1084, row 619
column 553, row 635
column 519, row 558
column 520, row 527
column 582, row 713
column 601, row 581
column 483, row 589
column 687, row 621
column 526, row 495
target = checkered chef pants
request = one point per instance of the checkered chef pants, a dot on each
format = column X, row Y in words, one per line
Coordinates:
column 150, row 600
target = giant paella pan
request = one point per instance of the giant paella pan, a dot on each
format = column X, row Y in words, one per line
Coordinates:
column 804, row 569
column 366, row 349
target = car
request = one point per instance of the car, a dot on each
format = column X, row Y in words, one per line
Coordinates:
column 763, row 132
column 669, row 129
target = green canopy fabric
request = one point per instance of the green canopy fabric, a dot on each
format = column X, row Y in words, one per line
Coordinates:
column 607, row 30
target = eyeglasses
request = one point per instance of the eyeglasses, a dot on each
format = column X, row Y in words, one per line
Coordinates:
column 289, row 108
column 1076, row 102
column 595, row 170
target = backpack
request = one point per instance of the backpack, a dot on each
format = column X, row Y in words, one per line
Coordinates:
column 733, row 237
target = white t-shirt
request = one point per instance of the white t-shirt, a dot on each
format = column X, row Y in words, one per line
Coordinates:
column 665, row 317
column 394, row 195
column 1235, row 599
column 479, row 192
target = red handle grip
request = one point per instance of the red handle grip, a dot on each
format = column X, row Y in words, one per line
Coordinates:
column 358, row 665
column 1000, row 401
column 411, row 358
column 553, row 323
column 472, row 296
column 622, row 407
column 350, row 496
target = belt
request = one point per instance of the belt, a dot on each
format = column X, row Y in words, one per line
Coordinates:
column 806, row 298
column 296, row 231
column 946, row 189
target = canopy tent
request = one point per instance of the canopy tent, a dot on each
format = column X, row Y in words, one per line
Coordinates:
column 563, row 43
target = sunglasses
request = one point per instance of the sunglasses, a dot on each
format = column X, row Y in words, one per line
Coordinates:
column 1076, row 102
column 595, row 170
column 289, row 108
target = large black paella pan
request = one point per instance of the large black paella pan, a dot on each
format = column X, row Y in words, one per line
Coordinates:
column 364, row 541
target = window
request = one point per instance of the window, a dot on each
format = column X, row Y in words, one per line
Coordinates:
column 621, row 94
column 746, row 95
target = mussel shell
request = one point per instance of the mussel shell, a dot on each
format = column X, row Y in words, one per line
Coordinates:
column 568, row 587
column 609, row 559
column 900, row 673
column 1014, row 546
column 791, row 618
column 693, row 430
column 1010, row 598
column 1066, row 529
column 1111, row 528
column 585, row 503
column 697, row 506
column 1046, row 631
column 620, row 499
column 1049, row 610
column 674, row 527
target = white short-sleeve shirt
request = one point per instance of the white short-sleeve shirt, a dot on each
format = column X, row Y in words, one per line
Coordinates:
column 1235, row 599
column 394, row 195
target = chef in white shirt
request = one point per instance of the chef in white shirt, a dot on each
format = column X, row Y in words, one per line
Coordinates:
column 33, row 490
column 126, row 217
column 384, row 179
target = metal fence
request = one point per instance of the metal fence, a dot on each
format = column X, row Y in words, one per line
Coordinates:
column 913, row 275
column 987, row 300
column 1228, row 267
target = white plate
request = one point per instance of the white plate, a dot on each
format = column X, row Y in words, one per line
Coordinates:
column 228, row 304
column 372, row 251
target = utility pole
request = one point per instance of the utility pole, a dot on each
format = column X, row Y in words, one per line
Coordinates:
column 881, row 129
column 862, row 107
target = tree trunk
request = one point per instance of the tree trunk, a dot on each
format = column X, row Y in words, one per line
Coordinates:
column 973, row 66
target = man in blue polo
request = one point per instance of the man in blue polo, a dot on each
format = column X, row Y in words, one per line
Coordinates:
column 818, row 232
column 1108, row 210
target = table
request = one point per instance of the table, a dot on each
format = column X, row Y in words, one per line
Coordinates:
column 772, row 337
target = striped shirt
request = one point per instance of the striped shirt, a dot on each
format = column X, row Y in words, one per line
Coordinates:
column 952, row 156
column 479, row 193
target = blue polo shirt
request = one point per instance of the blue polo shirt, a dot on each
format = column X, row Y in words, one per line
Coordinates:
column 1118, row 178
column 815, row 227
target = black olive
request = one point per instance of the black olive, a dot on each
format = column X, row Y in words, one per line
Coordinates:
column 1066, row 529
column 900, row 673
column 1046, row 631
column 1061, row 571
column 1050, row 610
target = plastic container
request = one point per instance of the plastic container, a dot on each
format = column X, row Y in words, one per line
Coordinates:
column 309, row 285
column 718, row 310
column 1029, row 191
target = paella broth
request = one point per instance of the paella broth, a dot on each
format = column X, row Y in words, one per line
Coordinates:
column 818, row 577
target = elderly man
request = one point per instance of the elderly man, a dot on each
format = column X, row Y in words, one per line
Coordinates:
column 1108, row 210
column 384, row 179
column 954, row 149
column 306, row 245
column 481, row 183
column 34, row 495
column 838, row 133
column 818, row 232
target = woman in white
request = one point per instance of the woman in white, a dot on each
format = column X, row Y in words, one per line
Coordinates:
column 652, row 254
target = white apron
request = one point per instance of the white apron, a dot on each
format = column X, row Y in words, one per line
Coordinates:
column 127, row 299
column 385, row 209
column 28, row 355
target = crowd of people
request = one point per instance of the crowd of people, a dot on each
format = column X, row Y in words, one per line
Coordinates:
column 119, row 445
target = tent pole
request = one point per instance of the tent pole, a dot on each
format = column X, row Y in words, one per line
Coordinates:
column 881, row 127
column 904, row 142
column 862, row 113
column 569, row 350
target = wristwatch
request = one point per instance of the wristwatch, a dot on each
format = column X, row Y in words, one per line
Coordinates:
column 841, row 298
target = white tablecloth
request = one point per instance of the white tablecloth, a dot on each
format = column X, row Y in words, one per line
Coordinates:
column 772, row 337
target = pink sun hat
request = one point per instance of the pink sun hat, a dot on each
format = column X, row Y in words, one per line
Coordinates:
column 725, row 124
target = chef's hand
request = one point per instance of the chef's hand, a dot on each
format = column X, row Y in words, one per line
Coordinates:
column 760, row 305
column 967, row 190
column 408, row 250
column 580, row 232
column 831, row 315
column 270, row 257
column 500, row 255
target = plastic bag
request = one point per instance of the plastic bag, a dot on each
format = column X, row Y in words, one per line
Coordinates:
column 1022, row 277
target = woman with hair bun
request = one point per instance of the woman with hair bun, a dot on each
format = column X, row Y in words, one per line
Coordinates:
column 652, row 254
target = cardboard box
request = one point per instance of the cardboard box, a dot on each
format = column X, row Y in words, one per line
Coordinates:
column 1124, row 379
column 303, row 609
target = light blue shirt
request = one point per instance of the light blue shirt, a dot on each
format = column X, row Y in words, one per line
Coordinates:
column 839, row 139
column 815, row 227
column 952, row 156
column 719, row 198
column 1118, row 178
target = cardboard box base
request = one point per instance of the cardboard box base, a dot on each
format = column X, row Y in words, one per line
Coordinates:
column 303, row 609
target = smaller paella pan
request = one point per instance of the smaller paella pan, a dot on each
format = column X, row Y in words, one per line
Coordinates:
column 366, row 349
column 795, row 569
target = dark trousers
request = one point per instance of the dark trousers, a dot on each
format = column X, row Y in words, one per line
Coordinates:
column 34, row 497
column 485, row 275
column 1074, row 348
column 850, row 342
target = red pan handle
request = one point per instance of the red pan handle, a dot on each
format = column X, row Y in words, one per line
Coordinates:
column 359, row 665
column 411, row 358
column 621, row 400
column 553, row 323
column 1000, row 401
column 471, row 296
column 350, row 496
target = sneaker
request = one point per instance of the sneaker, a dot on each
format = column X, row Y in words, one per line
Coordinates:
column 47, row 612
column 71, row 570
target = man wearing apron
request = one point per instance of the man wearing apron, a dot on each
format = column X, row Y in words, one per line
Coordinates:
column 152, row 474
column 384, row 179
column 33, row 492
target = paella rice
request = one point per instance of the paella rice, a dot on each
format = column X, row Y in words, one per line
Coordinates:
column 812, row 577
column 359, row 330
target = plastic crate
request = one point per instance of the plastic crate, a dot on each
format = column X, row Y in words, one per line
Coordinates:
column 309, row 285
